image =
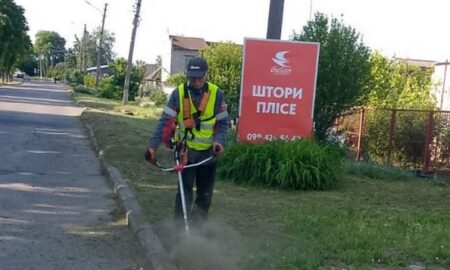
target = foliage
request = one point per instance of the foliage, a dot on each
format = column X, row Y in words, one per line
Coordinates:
column 159, row 97
column 225, row 64
column 395, row 84
column 72, row 59
column 343, row 69
column 295, row 165
column 84, row 51
column 108, row 88
column 89, row 80
column 408, row 142
column 176, row 79
column 112, row 86
column 50, row 49
column 28, row 65
column 15, row 44
column 75, row 76
column 58, row 72
column 83, row 89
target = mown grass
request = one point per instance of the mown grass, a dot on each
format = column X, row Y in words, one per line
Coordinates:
column 108, row 105
column 362, row 223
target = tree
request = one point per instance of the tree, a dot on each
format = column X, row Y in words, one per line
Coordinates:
column 343, row 69
column 50, row 49
column 15, row 43
column 89, row 46
column 225, row 64
column 397, row 85
column 28, row 65
column 112, row 87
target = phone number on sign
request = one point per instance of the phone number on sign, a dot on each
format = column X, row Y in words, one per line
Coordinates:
column 270, row 137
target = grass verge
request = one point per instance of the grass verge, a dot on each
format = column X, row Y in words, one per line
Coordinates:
column 362, row 223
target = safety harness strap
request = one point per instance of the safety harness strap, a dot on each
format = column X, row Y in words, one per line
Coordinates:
column 193, row 119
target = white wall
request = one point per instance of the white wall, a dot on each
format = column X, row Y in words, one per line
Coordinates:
column 439, row 87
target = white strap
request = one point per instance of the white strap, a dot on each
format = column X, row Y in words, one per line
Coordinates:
column 170, row 111
column 222, row 115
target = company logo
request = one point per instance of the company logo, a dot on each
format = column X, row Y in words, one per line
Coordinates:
column 281, row 67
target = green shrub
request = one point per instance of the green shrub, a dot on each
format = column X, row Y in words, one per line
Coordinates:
column 75, row 76
column 376, row 142
column 295, row 165
column 109, row 90
column 82, row 89
column 89, row 80
column 176, row 79
column 159, row 97
column 408, row 142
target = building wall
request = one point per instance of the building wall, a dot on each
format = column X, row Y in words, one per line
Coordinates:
column 179, row 60
column 440, row 90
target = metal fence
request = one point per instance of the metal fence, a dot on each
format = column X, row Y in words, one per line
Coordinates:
column 417, row 139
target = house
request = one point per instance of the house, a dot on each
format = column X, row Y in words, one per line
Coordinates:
column 104, row 70
column 152, row 75
column 441, row 87
column 440, row 78
column 423, row 64
column 179, row 50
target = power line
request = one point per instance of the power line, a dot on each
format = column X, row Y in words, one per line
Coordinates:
column 89, row 3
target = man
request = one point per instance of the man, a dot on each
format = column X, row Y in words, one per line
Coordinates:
column 198, row 109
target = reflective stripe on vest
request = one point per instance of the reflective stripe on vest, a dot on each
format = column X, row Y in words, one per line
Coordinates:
column 202, row 139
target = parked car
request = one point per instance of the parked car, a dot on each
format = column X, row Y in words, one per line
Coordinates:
column 19, row 75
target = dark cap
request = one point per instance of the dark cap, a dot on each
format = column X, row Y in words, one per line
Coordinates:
column 196, row 67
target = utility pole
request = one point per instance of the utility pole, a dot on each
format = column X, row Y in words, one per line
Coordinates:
column 82, row 54
column 130, row 54
column 275, row 23
column 65, row 66
column 99, row 51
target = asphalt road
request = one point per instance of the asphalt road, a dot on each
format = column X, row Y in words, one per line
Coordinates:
column 54, row 201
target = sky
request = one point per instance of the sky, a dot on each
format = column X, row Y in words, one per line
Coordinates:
column 414, row 29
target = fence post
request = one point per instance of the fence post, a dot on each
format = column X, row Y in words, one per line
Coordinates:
column 391, row 134
column 428, row 135
column 361, row 124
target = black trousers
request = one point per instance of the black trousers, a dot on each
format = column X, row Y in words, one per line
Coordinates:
column 203, row 177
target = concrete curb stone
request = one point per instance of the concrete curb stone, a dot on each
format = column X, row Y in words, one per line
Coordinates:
column 157, row 257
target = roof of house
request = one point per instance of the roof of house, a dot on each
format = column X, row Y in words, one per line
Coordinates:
column 418, row 62
column 154, row 76
column 188, row 43
column 149, row 68
column 95, row 68
column 443, row 63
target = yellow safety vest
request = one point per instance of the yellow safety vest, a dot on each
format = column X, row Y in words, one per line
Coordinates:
column 199, row 139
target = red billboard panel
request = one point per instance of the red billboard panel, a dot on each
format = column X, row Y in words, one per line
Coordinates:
column 277, row 90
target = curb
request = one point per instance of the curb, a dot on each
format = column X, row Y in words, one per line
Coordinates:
column 156, row 256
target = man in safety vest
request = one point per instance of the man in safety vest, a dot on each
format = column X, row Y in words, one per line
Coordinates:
column 198, row 110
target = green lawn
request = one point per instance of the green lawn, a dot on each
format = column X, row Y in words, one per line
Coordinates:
column 361, row 224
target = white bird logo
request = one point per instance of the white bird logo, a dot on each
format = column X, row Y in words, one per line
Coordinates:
column 280, row 59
